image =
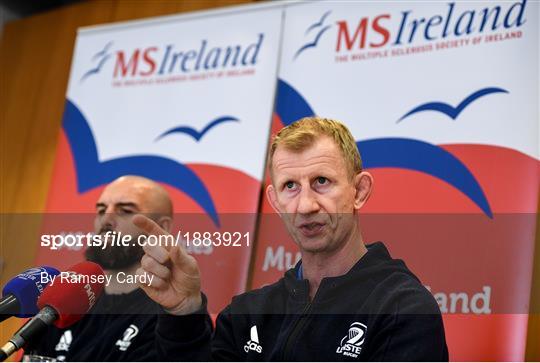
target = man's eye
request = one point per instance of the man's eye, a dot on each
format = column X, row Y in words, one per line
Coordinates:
column 322, row 180
column 289, row 185
column 126, row 211
column 100, row 212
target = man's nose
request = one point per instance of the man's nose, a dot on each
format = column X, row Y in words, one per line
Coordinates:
column 307, row 202
column 108, row 220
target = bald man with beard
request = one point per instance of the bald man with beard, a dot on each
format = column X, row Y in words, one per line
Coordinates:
column 124, row 325
column 120, row 200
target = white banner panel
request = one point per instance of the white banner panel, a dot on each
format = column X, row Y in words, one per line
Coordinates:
column 186, row 101
column 442, row 99
column 473, row 66
column 193, row 90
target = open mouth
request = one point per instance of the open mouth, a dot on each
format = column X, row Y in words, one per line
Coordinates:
column 311, row 229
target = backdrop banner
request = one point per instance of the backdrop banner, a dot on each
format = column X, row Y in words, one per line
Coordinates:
column 183, row 100
column 442, row 98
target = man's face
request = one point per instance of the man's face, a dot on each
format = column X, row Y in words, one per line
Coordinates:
column 314, row 195
column 114, row 210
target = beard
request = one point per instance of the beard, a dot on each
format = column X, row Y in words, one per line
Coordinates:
column 114, row 257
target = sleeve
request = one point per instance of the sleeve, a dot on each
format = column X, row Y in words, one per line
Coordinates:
column 180, row 338
column 224, row 347
column 415, row 332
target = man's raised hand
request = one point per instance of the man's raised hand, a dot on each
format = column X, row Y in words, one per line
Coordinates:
column 176, row 284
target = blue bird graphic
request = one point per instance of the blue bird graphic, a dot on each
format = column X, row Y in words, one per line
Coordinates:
column 319, row 23
column 194, row 133
column 102, row 52
column 450, row 111
column 104, row 57
column 314, row 42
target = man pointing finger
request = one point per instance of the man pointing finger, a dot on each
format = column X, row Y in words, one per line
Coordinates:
column 344, row 300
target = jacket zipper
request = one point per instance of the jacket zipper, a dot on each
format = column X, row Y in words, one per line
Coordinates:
column 296, row 330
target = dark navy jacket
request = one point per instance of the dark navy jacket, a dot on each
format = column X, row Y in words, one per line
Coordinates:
column 378, row 311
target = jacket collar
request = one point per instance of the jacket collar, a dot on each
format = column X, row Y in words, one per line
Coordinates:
column 298, row 289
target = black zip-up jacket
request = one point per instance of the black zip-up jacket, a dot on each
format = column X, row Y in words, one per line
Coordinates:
column 378, row 311
column 127, row 327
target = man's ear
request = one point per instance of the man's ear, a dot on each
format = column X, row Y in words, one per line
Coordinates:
column 363, row 183
column 165, row 223
column 272, row 198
